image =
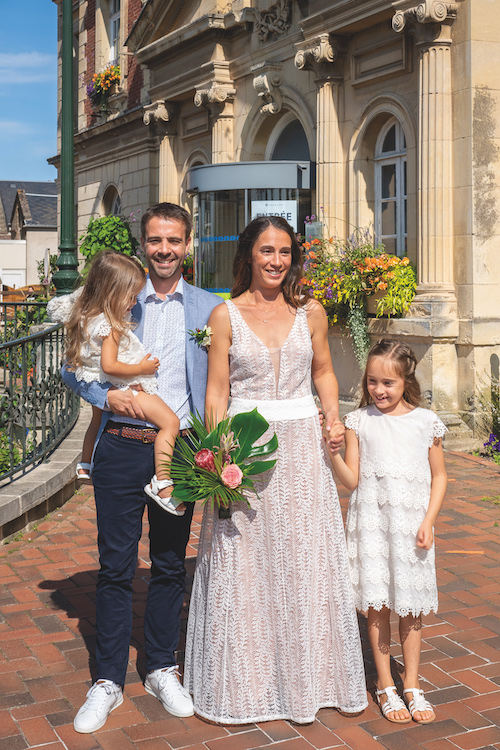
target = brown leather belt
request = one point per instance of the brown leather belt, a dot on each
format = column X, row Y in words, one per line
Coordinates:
column 143, row 434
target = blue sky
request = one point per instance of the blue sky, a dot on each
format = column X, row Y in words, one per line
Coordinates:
column 28, row 89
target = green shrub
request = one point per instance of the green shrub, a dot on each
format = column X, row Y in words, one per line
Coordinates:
column 107, row 233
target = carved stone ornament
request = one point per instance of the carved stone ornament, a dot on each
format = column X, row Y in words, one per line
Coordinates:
column 324, row 51
column 274, row 21
column 429, row 11
column 215, row 94
column 159, row 111
column 266, row 83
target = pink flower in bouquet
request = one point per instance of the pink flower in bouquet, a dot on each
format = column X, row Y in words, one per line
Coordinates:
column 231, row 476
column 205, row 459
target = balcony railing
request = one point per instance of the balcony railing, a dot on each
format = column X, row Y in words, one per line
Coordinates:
column 37, row 410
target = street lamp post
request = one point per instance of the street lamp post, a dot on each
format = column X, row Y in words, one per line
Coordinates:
column 66, row 277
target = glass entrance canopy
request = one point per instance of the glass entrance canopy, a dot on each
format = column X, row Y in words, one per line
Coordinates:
column 227, row 196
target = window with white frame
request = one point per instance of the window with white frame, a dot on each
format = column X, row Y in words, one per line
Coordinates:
column 391, row 188
column 114, row 30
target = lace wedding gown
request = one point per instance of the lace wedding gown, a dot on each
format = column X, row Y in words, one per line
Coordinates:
column 387, row 508
column 272, row 631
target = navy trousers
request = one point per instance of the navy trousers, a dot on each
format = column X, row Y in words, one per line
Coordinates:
column 122, row 467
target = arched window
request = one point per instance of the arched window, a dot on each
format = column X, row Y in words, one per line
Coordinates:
column 291, row 143
column 111, row 202
column 391, row 188
column 116, row 206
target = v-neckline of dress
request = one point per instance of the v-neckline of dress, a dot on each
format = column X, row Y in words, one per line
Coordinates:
column 267, row 348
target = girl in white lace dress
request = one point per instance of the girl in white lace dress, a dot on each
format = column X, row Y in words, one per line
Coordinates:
column 394, row 465
column 272, row 631
column 100, row 346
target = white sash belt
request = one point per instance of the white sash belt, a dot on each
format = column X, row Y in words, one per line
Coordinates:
column 277, row 411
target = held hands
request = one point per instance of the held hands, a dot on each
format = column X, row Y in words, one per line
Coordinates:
column 333, row 431
column 425, row 535
column 149, row 366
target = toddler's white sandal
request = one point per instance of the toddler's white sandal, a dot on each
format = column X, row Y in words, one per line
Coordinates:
column 167, row 503
column 419, row 703
column 392, row 704
column 83, row 470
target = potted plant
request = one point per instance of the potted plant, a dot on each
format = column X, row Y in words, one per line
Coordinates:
column 102, row 86
column 344, row 275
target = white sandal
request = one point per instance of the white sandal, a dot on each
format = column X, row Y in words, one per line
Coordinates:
column 392, row 704
column 419, row 703
column 169, row 504
column 84, row 467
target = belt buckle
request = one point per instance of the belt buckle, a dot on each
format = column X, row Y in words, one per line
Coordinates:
column 144, row 438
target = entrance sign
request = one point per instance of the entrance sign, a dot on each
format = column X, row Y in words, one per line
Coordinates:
column 286, row 209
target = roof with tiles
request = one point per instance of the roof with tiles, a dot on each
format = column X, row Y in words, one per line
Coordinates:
column 42, row 210
column 8, row 193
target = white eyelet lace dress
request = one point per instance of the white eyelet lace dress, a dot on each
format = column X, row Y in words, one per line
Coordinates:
column 130, row 349
column 387, row 508
column 272, row 631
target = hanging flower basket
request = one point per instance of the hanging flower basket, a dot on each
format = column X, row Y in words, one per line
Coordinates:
column 354, row 277
column 102, row 86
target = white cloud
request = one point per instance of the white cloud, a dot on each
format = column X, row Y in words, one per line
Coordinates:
column 15, row 128
column 27, row 67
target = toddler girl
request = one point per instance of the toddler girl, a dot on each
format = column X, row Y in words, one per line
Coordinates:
column 394, row 466
column 100, row 346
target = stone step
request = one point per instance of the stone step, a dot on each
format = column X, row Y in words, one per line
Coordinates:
column 459, row 436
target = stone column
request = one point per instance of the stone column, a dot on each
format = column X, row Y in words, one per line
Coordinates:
column 162, row 117
column 330, row 190
column 433, row 316
column 219, row 100
column 430, row 21
column 330, row 171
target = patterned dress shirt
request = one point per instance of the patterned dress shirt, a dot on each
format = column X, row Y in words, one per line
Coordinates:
column 165, row 337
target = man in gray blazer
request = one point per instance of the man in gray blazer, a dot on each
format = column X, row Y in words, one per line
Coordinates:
column 166, row 310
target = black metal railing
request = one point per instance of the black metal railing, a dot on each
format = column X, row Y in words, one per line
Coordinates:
column 17, row 317
column 37, row 410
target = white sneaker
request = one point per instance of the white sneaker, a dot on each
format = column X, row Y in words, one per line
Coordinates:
column 164, row 684
column 103, row 697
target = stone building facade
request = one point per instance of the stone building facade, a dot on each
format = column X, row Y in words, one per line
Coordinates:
column 362, row 112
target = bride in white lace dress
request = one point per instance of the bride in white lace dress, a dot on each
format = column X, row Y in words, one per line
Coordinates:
column 272, row 630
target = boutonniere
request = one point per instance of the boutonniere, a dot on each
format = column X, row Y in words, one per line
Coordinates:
column 202, row 336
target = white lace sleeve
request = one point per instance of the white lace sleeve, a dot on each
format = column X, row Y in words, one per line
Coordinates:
column 438, row 430
column 100, row 327
column 351, row 421
column 59, row 309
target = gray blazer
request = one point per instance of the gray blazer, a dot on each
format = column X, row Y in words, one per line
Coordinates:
column 198, row 304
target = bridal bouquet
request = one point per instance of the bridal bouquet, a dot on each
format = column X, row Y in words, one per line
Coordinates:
column 214, row 466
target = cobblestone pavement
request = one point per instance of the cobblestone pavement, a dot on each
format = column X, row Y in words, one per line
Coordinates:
column 47, row 587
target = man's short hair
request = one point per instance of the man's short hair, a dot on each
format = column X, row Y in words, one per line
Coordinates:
column 166, row 211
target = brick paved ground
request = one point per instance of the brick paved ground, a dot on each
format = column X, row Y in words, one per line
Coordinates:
column 47, row 586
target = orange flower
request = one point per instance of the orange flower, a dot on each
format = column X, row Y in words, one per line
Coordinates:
column 312, row 255
column 382, row 285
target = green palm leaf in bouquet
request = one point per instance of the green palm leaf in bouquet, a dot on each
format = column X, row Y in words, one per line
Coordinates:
column 215, row 466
